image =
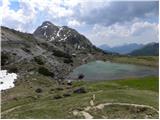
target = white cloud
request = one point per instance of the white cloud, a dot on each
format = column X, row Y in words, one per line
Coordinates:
column 139, row 28
column 87, row 17
column 17, row 19
column 74, row 23
column 24, row 18
column 117, row 34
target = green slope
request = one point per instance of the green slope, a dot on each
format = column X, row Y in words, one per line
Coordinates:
column 148, row 50
column 23, row 102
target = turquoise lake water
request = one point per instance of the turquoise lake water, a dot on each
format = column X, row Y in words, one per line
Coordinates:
column 99, row 70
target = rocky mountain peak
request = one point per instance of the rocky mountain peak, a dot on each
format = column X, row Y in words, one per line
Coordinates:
column 47, row 23
column 52, row 51
column 62, row 36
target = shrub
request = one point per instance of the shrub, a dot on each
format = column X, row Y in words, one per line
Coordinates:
column 80, row 90
column 45, row 45
column 59, row 88
column 4, row 58
column 13, row 70
column 81, row 76
column 59, row 53
column 38, row 90
column 45, row 71
column 38, row 60
column 15, row 98
column 69, row 60
column 66, row 94
column 26, row 50
column 51, row 89
column 57, row 97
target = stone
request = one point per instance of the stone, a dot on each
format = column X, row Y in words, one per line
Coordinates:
column 80, row 90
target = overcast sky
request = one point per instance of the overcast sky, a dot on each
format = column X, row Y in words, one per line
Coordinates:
column 101, row 21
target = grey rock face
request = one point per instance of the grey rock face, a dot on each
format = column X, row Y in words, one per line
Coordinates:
column 68, row 39
column 55, row 49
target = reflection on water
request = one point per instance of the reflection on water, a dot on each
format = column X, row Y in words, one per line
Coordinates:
column 100, row 70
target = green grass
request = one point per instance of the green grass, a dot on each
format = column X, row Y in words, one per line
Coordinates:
column 140, row 60
column 42, row 105
column 144, row 83
column 122, row 112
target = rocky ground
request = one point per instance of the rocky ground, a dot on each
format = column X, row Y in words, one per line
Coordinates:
column 25, row 54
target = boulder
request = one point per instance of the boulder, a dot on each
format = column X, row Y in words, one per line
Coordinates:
column 81, row 76
column 80, row 90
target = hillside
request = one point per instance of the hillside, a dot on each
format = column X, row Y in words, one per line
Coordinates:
column 51, row 50
column 113, row 99
column 151, row 49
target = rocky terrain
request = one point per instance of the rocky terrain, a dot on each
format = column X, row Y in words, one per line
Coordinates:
column 51, row 50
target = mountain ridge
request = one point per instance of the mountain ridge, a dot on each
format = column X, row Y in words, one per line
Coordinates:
column 24, row 53
column 122, row 49
column 151, row 49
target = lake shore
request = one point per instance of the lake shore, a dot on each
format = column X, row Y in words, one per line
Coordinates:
column 100, row 70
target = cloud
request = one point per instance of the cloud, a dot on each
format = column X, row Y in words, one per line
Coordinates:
column 90, row 12
column 74, row 23
column 118, row 34
column 144, row 27
column 32, row 13
column 119, row 12
column 17, row 19
column 102, row 21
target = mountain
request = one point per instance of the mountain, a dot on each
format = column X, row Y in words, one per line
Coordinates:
column 66, row 38
column 151, row 49
column 51, row 50
column 123, row 49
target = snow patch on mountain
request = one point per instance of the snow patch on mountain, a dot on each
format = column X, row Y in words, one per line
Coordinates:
column 7, row 80
column 58, row 33
column 44, row 27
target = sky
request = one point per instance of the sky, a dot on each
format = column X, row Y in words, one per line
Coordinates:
column 111, row 22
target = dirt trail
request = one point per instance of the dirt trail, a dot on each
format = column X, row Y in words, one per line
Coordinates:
column 101, row 106
column 11, row 109
column 86, row 115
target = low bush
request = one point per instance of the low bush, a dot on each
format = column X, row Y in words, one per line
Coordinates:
column 81, row 76
column 59, row 53
column 59, row 88
column 13, row 70
column 69, row 60
column 80, row 90
column 38, row 60
column 38, row 90
column 66, row 94
column 57, row 97
column 4, row 58
column 45, row 71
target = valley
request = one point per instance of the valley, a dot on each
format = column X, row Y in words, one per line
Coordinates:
column 123, row 87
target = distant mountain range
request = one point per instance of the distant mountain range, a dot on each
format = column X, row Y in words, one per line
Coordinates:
column 123, row 49
column 151, row 49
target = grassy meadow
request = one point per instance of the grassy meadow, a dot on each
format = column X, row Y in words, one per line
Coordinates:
column 23, row 101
